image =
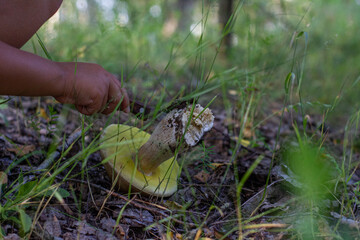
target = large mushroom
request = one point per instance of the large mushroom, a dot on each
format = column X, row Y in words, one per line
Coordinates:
column 146, row 163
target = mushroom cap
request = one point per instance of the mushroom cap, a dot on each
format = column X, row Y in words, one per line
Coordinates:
column 202, row 120
column 120, row 144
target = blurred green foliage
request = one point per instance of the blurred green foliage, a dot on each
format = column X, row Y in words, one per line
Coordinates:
column 154, row 46
column 313, row 169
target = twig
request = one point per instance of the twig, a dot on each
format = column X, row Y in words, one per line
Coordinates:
column 266, row 225
column 136, row 202
column 73, row 137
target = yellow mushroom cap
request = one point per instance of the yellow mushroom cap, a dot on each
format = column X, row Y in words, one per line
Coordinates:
column 120, row 144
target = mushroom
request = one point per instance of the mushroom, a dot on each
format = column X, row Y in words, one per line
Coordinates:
column 146, row 163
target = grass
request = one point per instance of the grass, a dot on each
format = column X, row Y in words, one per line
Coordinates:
column 300, row 54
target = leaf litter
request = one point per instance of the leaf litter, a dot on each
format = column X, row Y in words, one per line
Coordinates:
column 203, row 207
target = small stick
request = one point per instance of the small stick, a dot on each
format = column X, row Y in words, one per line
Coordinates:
column 266, row 225
column 73, row 137
column 135, row 202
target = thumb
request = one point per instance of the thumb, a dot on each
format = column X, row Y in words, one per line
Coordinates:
column 87, row 110
column 64, row 100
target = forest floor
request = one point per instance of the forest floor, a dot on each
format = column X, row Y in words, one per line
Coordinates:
column 206, row 205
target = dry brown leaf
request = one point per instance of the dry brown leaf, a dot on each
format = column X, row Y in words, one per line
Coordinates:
column 217, row 164
column 173, row 205
column 84, row 228
column 121, row 231
column 220, row 235
column 12, row 236
column 101, row 235
column 41, row 112
column 21, row 150
column 136, row 217
column 53, row 227
column 248, row 131
column 202, row 176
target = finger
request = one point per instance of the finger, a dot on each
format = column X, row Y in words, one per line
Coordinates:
column 121, row 95
column 125, row 104
column 117, row 82
column 110, row 107
column 104, row 101
column 92, row 105
column 112, row 99
column 85, row 110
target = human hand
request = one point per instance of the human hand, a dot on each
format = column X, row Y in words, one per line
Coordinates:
column 91, row 89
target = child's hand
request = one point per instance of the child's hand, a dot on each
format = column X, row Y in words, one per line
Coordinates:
column 91, row 89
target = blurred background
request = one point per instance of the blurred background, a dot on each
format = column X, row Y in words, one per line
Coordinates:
column 281, row 77
column 224, row 46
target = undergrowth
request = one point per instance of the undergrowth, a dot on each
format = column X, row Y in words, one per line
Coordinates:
column 275, row 58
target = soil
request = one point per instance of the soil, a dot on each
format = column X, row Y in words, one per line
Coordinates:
column 206, row 205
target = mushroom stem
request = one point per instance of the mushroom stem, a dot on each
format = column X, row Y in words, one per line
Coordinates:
column 167, row 136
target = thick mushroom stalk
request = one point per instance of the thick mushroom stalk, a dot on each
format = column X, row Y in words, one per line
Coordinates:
column 124, row 146
column 174, row 133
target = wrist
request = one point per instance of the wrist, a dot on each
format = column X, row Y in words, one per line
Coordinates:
column 61, row 80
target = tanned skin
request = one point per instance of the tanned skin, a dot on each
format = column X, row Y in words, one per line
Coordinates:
column 86, row 85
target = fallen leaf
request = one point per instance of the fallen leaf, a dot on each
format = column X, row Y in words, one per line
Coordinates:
column 216, row 165
column 72, row 235
column 21, row 150
column 43, row 131
column 173, row 205
column 202, row 176
column 41, row 112
column 220, row 235
column 248, row 130
column 53, row 227
column 84, row 228
column 12, row 236
column 108, row 224
column 208, row 233
column 166, row 235
column 101, row 235
column 243, row 142
column 136, row 217
column 121, row 231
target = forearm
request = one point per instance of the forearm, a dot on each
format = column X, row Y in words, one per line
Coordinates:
column 20, row 19
column 90, row 87
column 25, row 74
